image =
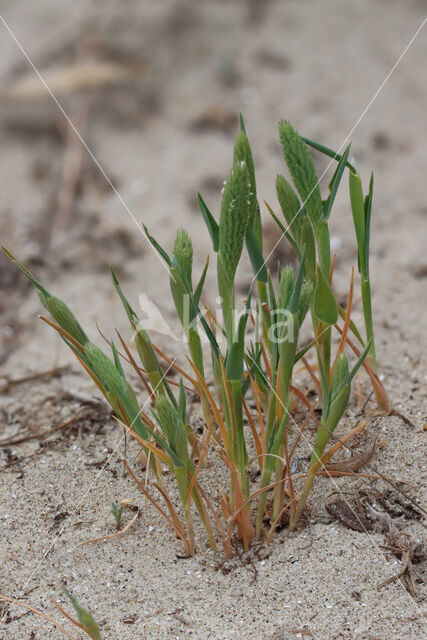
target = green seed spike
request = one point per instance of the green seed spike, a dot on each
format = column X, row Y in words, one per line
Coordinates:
column 66, row 319
column 179, row 290
column 324, row 303
column 243, row 153
column 286, row 285
column 85, row 617
column 183, row 253
column 301, row 168
column 305, row 301
column 105, row 370
column 290, row 205
column 235, row 207
column 167, row 418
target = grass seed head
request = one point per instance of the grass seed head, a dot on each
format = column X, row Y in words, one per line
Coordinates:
column 286, row 285
column 168, row 419
column 243, row 153
column 65, row 318
column 183, row 252
column 105, row 370
column 234, row 218
column 305, row 300
column 301, row 168
column 290, row 205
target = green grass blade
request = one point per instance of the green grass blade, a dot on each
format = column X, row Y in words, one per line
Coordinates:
column 358, row 211
column 324, row 303
column 157, row 247
column 210, row 221
column 85, row 618
column 256, row 257
column 335, row 182
column 328, row 152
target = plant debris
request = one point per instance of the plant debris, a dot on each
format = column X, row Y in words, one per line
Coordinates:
column 410, row 551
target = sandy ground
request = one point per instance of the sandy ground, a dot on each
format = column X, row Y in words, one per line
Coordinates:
column 161, row 125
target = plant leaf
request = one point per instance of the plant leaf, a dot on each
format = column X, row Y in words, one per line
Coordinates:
column 324, row 303
column 157, row 247
column 85, row 617
column 255, row 256
column 210, row 221
column 327, row 151
column 358, row 211
column 335, row 182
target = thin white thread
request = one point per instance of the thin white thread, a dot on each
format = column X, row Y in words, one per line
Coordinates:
column 346, row 139
column 84, row 143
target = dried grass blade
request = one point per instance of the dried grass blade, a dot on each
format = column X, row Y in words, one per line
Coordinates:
column 346, row 323
column 217, row 414
column 256, row 392
column 310, row 369
column 225, row 541
column 75, row 622
column 63, row 333
column 202, row 457
column 376, row 382
column 138, row 370
column 355, row 463
column 301, row 396
column 37, row 612
column 337, row 446
column 176, row 367
column 189, row 544
column 257, row 441
column 241, row 515
column 116, row 533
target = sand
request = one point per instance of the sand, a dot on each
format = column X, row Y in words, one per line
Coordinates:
column 161, row 133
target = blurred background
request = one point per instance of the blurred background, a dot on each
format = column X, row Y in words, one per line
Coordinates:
column 154, row 88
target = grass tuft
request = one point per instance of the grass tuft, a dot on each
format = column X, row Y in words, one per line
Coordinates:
column 254, row 406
